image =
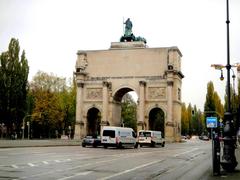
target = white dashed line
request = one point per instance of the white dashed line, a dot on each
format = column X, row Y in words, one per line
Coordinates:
column 31, row 164
column 15, row 166
column 45, row 162
column 176, row 155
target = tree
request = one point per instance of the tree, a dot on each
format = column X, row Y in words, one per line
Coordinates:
column 189, row 118
column 210, row 105
column 184, row 120
column 13, row 87
column 213, row 105
column 55, row 101
column 129, row 110
column 218, row 105
column 235, row 104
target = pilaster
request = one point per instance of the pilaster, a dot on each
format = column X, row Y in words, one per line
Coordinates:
column 140, row 122
column 79, row 116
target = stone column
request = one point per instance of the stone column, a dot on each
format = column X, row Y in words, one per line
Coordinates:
column 105, row 102
column 79, row 116
column 169, row 124
column 141, row 105
column 169, row 101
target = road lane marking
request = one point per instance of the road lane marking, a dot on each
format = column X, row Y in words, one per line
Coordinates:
column 75, row 175
column 15, row 166
column 45, row 162
column 67, row 169
column 57, row 161
column 31, row 164
column 194, row 149
column 129, row 170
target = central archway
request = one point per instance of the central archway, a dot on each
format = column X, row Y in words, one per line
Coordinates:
column 156, row 120
column 93, row 121
column 125, row 108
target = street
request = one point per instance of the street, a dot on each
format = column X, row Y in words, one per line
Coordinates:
column 189, row 160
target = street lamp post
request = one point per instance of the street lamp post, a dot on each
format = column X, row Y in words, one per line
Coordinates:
column 28, row 124
column 228, row 159
column 228, row 162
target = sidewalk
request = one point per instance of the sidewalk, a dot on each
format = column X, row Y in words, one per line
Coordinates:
column 38, row 143
column 229, row 176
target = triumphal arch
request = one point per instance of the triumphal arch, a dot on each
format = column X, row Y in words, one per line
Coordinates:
column 103, row 77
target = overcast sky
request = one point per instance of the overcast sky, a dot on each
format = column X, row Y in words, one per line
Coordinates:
column 52, row 31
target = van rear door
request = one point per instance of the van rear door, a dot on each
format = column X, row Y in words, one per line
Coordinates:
column 144, row 137
column 108, row 137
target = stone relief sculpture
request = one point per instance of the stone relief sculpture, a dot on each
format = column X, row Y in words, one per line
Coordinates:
column 94, row 93
column 156, row 93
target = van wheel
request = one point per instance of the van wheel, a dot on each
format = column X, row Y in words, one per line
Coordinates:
column 83, row 145
column 136, row 146
column 153, row 144
column 140, row 145
column 105, row 146
column 163, row 144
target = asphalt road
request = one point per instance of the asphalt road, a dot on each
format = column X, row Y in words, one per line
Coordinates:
column 190, row 160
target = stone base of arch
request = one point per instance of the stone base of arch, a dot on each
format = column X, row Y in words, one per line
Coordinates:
column 80, row 130
column 141, row 126
column 171, row 134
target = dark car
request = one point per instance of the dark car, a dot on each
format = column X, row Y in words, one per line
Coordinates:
column 93, row 141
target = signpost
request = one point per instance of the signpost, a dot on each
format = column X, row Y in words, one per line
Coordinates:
column 212, row 123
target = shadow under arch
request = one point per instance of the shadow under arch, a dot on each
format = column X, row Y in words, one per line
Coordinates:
column 93, row 121
column 157, row 120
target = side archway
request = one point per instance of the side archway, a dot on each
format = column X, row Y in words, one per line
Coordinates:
column 93, row 121
column 157, row 120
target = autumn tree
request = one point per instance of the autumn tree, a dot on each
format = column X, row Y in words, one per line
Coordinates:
column 235, row 104
column 218, row 105
column 210, row 106
column 184, row 120
column 189, row 118
column 54, row 102
column 129, row 110
column 13, row 87
column 192, row 120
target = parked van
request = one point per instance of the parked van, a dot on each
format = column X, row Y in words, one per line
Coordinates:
column 150, row 138
column 118, row 137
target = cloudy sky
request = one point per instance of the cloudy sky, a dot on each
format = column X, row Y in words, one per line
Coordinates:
column 52, row 31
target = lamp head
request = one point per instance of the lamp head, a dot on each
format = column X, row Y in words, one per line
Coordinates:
column 221, row 77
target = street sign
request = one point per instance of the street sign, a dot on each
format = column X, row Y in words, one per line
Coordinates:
column 211, row 122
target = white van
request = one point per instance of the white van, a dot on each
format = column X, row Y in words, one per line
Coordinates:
column 150, row 138
column 118, row 137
